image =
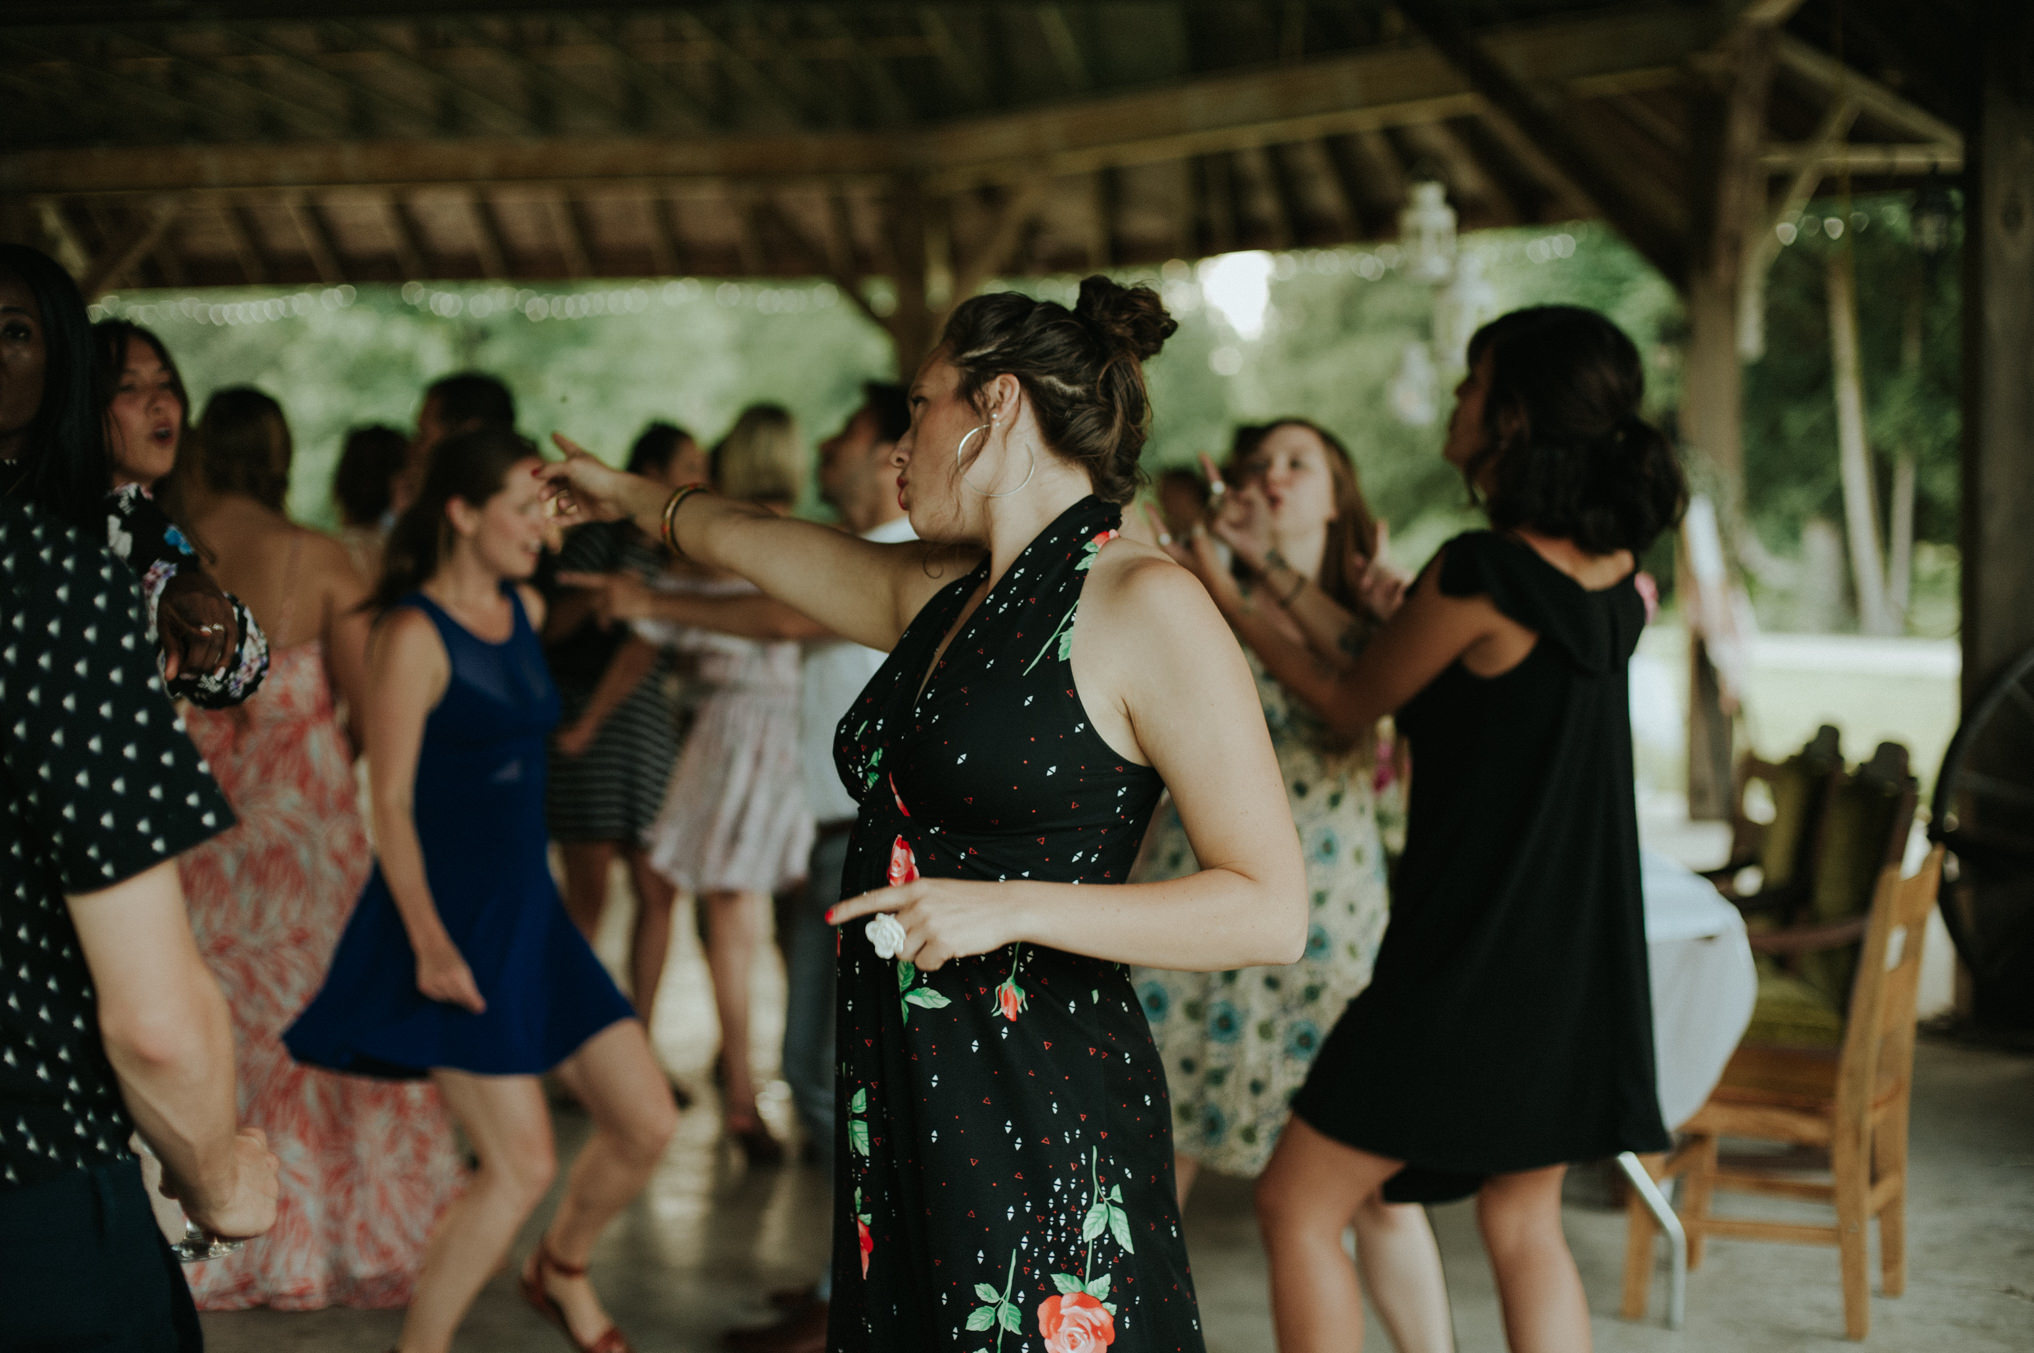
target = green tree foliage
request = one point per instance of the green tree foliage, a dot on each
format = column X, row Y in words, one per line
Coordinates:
column 1790, row 411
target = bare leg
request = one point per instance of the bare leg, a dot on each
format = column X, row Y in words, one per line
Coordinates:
column 650, row 942
column 505, row 1120
column 733, row 929
column 1307, row 1196
column 1185, row 1170
column 1545, row 1310
column 617, row 1080
column 586, row 867
column 1401, row 1267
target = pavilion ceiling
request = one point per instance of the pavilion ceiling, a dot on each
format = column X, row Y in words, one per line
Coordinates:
column 251, row 141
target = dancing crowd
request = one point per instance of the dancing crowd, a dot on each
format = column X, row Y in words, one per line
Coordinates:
column 1105, row 839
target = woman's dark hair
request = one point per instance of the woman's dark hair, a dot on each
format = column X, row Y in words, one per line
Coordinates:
column 655, row 448
column 470, row 399
column 369, row 461
column 1352, row 534
column 470, row 466
column 1081, row 369
column 243, row 445
column 64, row 465
column 1566, row 452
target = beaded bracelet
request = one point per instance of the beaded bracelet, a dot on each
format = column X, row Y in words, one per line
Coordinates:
column 678, row 495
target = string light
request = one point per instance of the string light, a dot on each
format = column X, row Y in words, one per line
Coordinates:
column 477, row 301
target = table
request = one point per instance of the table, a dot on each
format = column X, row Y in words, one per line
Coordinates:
column 1703, row 987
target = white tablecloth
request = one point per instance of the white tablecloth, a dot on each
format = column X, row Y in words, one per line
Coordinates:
column 1703, row 982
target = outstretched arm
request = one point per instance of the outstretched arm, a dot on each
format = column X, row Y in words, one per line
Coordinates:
column 857, row 588
column 1429, row 632
column 623, row 596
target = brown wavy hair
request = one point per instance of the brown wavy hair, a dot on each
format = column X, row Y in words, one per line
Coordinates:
column 1081, row 369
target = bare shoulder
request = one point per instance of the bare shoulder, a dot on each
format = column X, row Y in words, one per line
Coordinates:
column 1146, row 599
column 405, row 637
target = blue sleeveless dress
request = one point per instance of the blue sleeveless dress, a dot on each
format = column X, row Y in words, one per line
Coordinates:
column 479, row 806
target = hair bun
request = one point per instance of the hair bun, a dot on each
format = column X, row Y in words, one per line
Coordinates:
column 1132, row 319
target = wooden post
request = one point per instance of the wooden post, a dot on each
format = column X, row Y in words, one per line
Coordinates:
column 1998, row 353
column 1853, row 449
column 1729, row 202
column 912, row 323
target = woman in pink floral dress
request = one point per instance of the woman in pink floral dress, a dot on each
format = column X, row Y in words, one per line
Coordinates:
column 366, row 1166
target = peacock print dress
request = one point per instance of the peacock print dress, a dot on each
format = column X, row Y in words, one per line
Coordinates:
column 1006, row 1146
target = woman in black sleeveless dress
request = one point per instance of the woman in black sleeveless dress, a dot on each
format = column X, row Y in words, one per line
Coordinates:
column 1508, row 1028
column 1005, row 1144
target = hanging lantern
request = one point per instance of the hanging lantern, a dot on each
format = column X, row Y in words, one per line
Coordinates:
column 1426, row 232
column 1464, row 303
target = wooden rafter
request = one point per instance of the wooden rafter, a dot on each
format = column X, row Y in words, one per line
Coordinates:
column 493, row 251
column 570, row 234
column 1342, row 200
column 1881, row 103
column 243, row 235
column 1065, row 48
column 1602, row 183
column 316, row 234
column 147, row 227
column 666, row 255
column 957, row 63
column 1013, row 216
column 435, row 75
column 63, row 237
column 411, row 260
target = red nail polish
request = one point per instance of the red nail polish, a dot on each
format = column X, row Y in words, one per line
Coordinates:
column 829, row 915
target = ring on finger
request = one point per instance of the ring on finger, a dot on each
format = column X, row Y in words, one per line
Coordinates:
column 1165, row 537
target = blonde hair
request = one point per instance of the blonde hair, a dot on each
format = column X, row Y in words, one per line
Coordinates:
column 762, row 458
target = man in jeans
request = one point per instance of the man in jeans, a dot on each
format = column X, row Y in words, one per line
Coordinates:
column 858, row 478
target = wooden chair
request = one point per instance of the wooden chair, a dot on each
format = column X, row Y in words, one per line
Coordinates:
column 1807, row 959
column 1782, row 847
column 1852, row 1102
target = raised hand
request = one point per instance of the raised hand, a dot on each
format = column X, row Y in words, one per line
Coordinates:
column 1382, row 587
column 583, row 488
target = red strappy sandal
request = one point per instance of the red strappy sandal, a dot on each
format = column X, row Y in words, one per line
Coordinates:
column 531, row 1281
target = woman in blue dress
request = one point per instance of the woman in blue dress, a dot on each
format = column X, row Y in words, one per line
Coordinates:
column 459, row 961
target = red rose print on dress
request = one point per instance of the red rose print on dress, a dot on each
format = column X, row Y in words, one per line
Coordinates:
column 868, row 1243
column 903, row 864
column 1075, row 1323
column 1009, row 1000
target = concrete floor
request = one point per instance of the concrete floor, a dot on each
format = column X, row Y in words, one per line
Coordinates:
column 696, row 1254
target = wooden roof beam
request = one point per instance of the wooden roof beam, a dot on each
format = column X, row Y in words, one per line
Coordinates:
column 665, row 252
column 1288, row 220
column 565, row 224
column 1360, row 91
column 1900, row 158
column 438, row 77
column 305, row 117
column 316, row 234
column 149, row 224
column 243, row 235
column 65, row 242
column 1344, row 206
column 409, row 242
column 956, row 62
column 744, row 70
column 657, row 87
column 491, row 249
column 1651, row 232
column 1873, row 98
column 889, row 95
column 1014, row 215
column 1065, row 48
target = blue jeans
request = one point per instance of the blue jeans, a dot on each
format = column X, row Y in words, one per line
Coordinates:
column 808, row 1007
column 83, row 1267
column 809, row 947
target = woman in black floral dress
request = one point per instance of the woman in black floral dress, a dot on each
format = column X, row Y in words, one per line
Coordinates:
column 1006, row 1145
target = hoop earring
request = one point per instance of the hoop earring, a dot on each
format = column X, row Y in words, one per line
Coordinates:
column 1000, row 493
column 1005, row 493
